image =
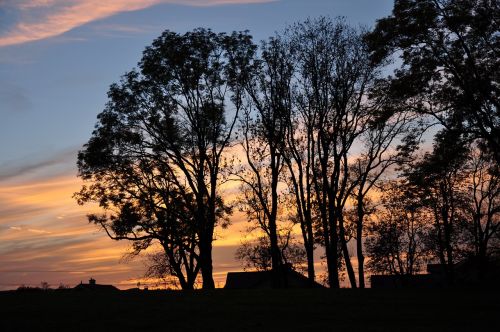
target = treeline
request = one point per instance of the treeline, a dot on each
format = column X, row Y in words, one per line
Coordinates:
column 322, row 126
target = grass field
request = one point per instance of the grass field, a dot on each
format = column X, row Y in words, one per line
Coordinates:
column 256, row 310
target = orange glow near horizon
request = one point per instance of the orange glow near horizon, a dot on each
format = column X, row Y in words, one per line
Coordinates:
column 45, row 236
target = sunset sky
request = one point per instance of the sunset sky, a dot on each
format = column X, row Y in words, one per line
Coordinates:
column 57, row 60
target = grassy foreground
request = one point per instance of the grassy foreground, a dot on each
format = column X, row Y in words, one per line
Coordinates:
column 256, row 310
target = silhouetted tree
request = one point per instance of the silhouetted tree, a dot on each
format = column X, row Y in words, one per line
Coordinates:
column 481, row 188
column 334, row 77
column 257, row 254
column 449, row 51
column 437, row 179
column 397, row 235
column 264, row 130
column 142, row 207
column 63, row 286
column 389, row 140
column 300, row 150
column 160, row 269
column 444, row 208
column 167, row 125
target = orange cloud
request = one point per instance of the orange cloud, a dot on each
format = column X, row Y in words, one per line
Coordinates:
column 42, row 19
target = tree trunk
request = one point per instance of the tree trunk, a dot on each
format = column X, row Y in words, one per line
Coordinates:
column 206, row 261
column 359, row 245
column 310, row 254
column 361, row 260
column 332, row 252
column 277, row 273
column 345, row 251
column 482, row 261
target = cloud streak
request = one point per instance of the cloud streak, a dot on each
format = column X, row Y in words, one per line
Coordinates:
column 41, row 19
column 63, row 160
column 13, row 98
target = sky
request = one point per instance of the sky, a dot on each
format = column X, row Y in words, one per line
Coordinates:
column 57, row 60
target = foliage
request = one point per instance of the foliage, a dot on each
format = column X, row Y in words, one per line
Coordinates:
column 397, row 241
column 321, row 131
column 450, row 65
column 257, row 254
column 154, row 159
column 264, row 125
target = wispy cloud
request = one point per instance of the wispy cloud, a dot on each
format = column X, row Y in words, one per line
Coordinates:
column 121, row 30
column 40, row 19
column 60, row 161
column 31, row 230
column 13, row 98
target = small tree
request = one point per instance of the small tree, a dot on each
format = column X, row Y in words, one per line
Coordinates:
column 257, row 254
column 437, row 179
column 481, row 187
column 397, row 236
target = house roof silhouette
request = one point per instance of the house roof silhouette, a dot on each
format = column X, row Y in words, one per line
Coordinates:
column 466, row 273
column 263, row 280
column 93, row 286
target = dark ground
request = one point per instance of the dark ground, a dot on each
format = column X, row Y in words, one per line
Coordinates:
column 257, row 310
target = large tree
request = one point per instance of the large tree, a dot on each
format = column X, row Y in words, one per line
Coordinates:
column 334, row 77
column 172, row 120
column 449, row 54
column 264, row 130
column 141, row 206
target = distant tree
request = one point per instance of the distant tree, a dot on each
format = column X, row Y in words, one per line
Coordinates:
column 481, row 188
column 389, row 140
column 397, row 241
column 163, row 133
column 449, row 52
column 445, row 207
column 437, row 179
column 25, row 288
column 160, row 269
column 257, row 254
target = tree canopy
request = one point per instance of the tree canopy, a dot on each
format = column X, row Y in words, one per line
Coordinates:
column 330, row 143
column 159, row 144
column 449, row 51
